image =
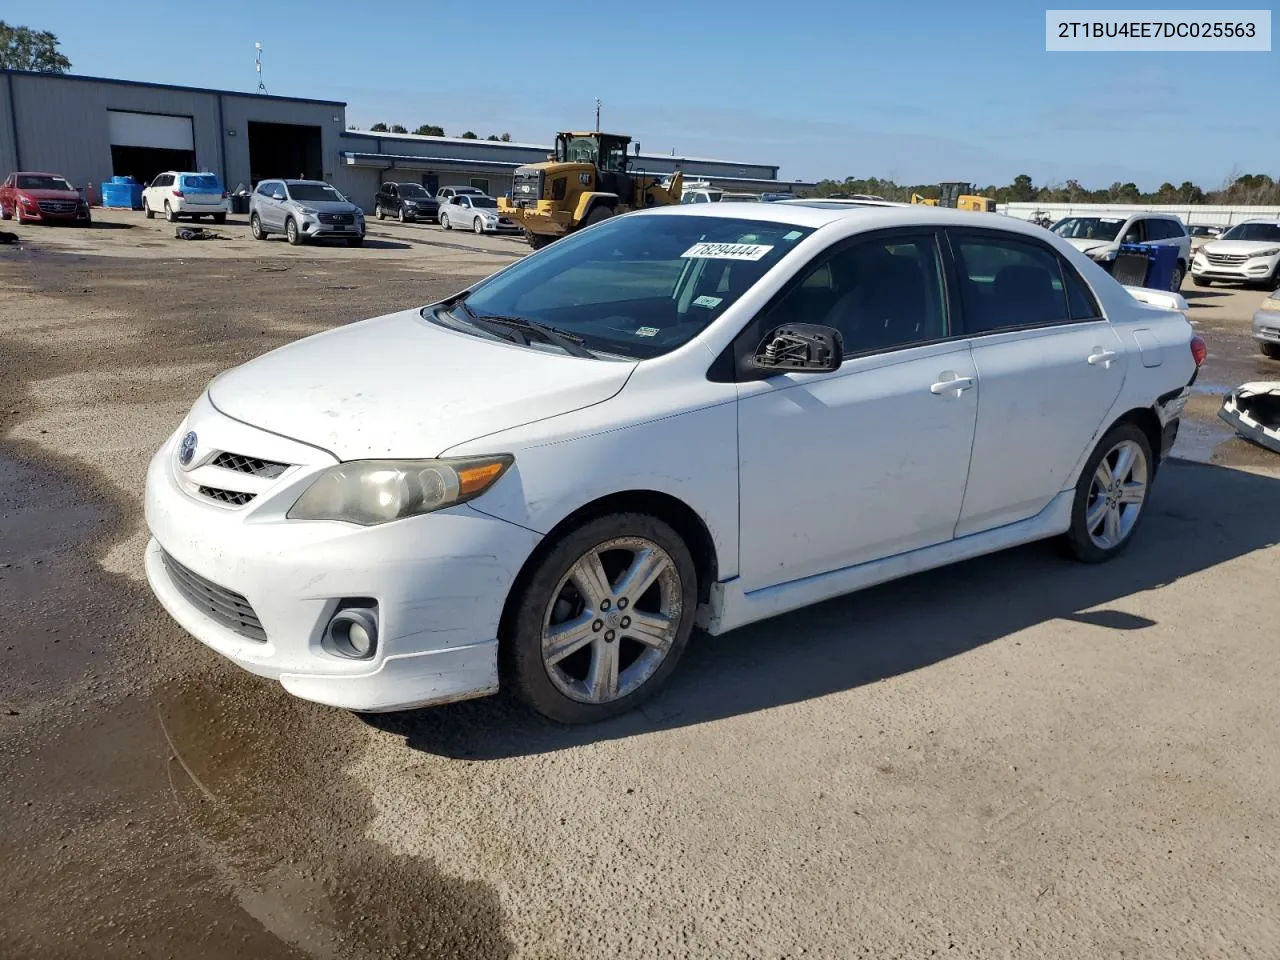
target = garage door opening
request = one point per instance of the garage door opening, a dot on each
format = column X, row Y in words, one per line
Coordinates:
column 144, row 163
column 284, row 150
column 145, row 144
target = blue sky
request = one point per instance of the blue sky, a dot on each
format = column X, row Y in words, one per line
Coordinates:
column 915, row 91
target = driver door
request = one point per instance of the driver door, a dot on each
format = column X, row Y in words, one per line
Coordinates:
column 868, row 461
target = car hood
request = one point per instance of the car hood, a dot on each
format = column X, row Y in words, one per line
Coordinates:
column 420, row 200
column 403, row 387
column 328, row 206
column 1239, row 246
column 50, row 194
column 1084, row 246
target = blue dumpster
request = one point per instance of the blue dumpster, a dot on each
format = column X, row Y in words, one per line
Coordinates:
column 122, row 193
column 1150, row 265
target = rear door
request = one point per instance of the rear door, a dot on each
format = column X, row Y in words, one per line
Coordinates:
column 1049, row 368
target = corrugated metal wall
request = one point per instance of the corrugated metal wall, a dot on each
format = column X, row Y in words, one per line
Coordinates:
column 1191, row 214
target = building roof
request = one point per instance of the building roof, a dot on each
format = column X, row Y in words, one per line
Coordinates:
column 169, row 86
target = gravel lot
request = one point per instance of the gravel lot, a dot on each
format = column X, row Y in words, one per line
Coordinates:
column 1015, row 757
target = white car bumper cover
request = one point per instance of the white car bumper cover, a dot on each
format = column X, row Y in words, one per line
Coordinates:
column 440, row 581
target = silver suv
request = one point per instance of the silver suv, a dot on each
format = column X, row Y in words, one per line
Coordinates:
column 1099, row 237
column 304, row 210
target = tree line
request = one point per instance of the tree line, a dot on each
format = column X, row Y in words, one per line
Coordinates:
column 1252, row 189
column 431, row 130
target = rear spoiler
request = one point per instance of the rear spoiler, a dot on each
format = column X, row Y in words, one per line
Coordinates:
column 1161, row 299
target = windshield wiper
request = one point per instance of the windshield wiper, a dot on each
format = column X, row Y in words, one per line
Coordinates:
column 504, row 326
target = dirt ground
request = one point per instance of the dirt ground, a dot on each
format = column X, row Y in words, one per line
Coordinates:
column 1013, row 757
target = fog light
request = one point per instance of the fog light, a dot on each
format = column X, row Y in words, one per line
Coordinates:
column 353, row 632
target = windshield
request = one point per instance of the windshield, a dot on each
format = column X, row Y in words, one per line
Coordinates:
column 41, row 182
column 1253, row 231
column 637, row 286
column 203, row 181
column 484, row 203
column 1089, row 228
column 317, row 192
column 412, row 190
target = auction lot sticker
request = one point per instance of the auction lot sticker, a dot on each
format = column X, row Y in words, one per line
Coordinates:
column 1137, row 31
column 727, row 251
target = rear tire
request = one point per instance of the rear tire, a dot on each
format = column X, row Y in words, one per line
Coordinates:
column 147, row 211
column 1109, row 504
column 538, row 240
column 219, row 218
column 169, row 214
column 1202, row 281
column 4, row 212
column 255, row 228
column 1270, row 350
column 1179, row 274
column 597, row 214
column 548, row 592
column 292, row 233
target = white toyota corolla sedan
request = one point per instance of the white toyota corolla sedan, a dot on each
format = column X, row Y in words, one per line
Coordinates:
column 697, row 415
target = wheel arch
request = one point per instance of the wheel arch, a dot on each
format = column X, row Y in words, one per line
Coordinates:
column 673, row 511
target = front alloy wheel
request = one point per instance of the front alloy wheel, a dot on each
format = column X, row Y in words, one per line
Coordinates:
column 1110, row 495
column 604, row 619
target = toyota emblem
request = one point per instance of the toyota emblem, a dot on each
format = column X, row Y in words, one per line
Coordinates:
column 187, row 449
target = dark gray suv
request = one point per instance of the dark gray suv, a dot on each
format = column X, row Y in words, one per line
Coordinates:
column 304, row 210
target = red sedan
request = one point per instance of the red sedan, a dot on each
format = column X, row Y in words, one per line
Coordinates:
column 42, row 198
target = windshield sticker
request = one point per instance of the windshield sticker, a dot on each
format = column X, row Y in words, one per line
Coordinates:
column 727, row 251
column 793, row 235
column 647, row 332
column 709, row 302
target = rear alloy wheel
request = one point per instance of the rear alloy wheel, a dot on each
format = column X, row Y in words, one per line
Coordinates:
column 444, row 222
column 477, row 225
column 1110, row 495
column 602, row 621
column 291, row 232
column 255, row 228
column 169, row 214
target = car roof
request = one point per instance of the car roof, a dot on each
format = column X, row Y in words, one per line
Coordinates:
column 867, row 214
column 292, row 182
column 37, row 173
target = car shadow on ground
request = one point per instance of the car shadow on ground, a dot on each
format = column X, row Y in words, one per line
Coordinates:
column 1199, row 516
column 1190, row 295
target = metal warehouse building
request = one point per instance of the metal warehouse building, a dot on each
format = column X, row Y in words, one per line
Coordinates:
column 91, row 129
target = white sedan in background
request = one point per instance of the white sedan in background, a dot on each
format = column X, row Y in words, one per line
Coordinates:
column 476, row 213
column 703, row 414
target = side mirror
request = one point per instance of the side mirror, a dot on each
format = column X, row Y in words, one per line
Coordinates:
column 278, row 195
column 800, row 348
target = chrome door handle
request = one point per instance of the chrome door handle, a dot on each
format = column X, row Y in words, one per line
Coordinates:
column 954, row 385
column 1101, row 356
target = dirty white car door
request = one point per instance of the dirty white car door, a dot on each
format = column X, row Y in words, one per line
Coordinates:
column 869, row 460
column 1049, row 369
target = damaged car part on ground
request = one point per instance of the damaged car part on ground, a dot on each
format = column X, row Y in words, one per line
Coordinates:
column 1253, row 411
column 546, row 480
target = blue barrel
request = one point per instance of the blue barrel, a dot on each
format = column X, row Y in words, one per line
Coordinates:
column 122, row 193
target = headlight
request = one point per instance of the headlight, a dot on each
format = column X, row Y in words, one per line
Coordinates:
column 1259, row 254
column 377, row 491
column 491, row 218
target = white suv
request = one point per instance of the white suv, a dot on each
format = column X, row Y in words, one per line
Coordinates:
column 1248, row 252
column 1099, row 238
column 193, row 195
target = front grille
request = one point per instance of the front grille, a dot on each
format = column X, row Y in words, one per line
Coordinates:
column 526, row 188
column 236, row 498
column 255, row 466
column 503, row 221
column 338, row 218
column 57, row 206
column 217, row 603
column 1226, row 259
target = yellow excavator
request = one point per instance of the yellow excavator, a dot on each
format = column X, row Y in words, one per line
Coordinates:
column 958, row 195
column 584, row 181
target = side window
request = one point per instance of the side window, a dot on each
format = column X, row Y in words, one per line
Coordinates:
column 1135, row 233
column 1080, row 299
column 1158, row 230
column 464, row 201
column 1006, row 283
column 880, row 293
column 392, row 191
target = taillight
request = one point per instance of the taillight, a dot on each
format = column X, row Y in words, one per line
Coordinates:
column 1198, row 350
column 178, row 193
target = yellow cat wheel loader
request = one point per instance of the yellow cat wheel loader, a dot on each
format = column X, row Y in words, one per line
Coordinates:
column 958, row 195
column 586, row 180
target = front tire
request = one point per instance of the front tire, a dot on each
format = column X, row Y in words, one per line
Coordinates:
column 1270, row 350
column 219, row 218
column 598, row 213
column 377, row 212
column 255, row 228
column 477, row 225
column 400, row 215
column 1202, row 281
column 291, row 232
column 538, row 240
column 1111, row 495
column 1179, row 274
column 355, row 241
column 444, row 222
column 602, row 620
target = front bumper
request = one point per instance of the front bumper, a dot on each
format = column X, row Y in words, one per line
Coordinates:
column 314, row 227
column 33, row 214
column 1266, row 326
column 1248, row 271
column 440, row 581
